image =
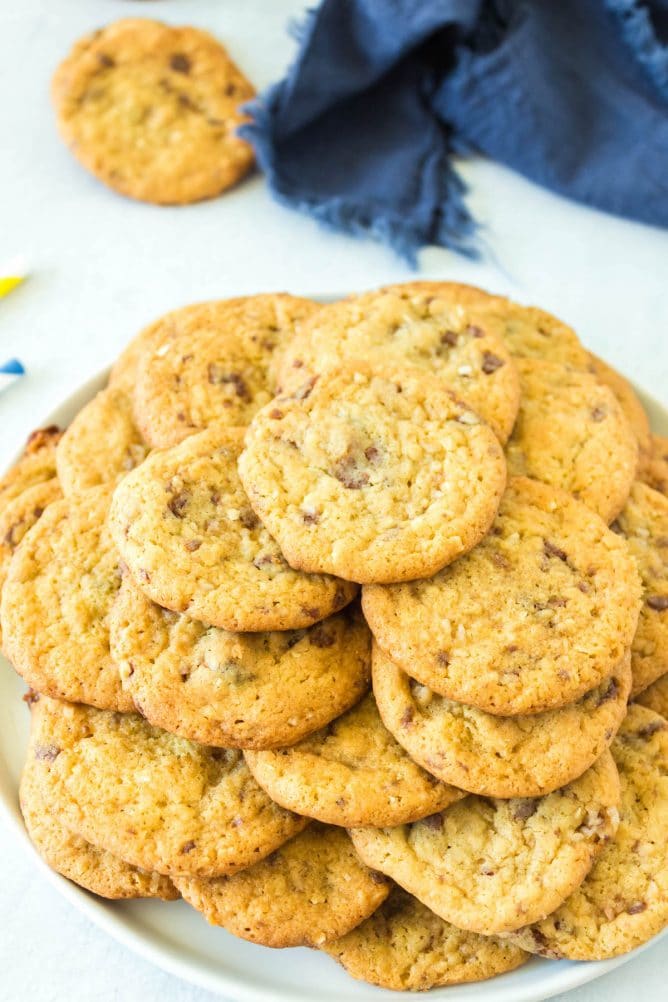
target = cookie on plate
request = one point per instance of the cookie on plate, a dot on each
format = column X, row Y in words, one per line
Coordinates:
column 193, row 544
column 522, row 756
column 101, row 445
column 539, row 613
column 404, row 946
column 628, row 401
column 60, row 585
column 240, row 690
column 152, row 111
column 624, row 900
column 571, row 433
column 654, row 471
column 644, row 526
column 158, row 801
column 80, row 861
column 36, row 464
column 404, row 326
column 213, row 362
column 655, row 696
column 351, row 772
column 372, row 474
column 313, row 889
column 487, row 865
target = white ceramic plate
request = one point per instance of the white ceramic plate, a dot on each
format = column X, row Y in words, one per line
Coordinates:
column 178, row 939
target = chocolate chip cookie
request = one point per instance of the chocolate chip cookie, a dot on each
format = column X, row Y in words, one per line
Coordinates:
column 654, row 470
column 36, row 464
column 628, row 401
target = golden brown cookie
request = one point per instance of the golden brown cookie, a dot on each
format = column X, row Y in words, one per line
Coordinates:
column 487, row 865
column 36, row 464
column 213, row 362
column 644, row 526
column 624, row 900
column 572, row 433
column 351, row 772
column 522, row 756
column 655, row 696
column 60, row 586
column 404, row 946
column 239, row 690
column 628, row 401
column 152, row 111
column 313, row 889
column 158, row 801
column 539, row 613
column 101, row 445
column 404, row 326
column 654, row 470
column 372, row 474
column 193, row 544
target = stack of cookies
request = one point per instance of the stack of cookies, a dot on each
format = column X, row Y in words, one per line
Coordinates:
column 429, row 781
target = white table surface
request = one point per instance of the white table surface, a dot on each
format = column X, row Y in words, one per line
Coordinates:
column 102, row 267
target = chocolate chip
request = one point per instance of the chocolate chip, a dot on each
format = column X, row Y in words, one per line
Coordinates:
column 637, row 908
column 491, row 362
column 499, row 559
column 219, row 376
column 552, row 550
column 449, row 337
column 657, row 602
column 297, row 364
column 347, row 473
column 310, row 517
column 187, row 847
column 442, row 658
column 434, row 822
column 180, row 63
column 248, row 518
column 372, row 453
column 611, row 691
column 407, row 717
column 320, row 636
column 340, row 801
column 178, row 504
column 192, row 544
column 311, row 611
column 650, row 729
column 525, row 809
column 47, row 753
column 30, row 697
column 276, row 414
column 599, row 414
column 105, row 60
column 475, row 331
column 230, row 90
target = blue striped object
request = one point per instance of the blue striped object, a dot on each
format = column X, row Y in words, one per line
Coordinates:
column 10, row 371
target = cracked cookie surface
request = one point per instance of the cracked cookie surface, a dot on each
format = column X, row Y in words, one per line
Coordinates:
column 540, row 612
column 152, row 111
column 314, row 888
column 193, row 544
column 486, row 865
column 243, row 690
column 158, row 801
column 372, row 474
column 521, row 756
column 352, row 772
column 623, row 902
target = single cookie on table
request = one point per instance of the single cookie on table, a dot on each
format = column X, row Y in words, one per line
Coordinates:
column 152, row 111
column 522, row 756
column 372, row 474
column 404, row 326
column 655, row 696
column 643, row 524
column 36, row 464
column 186, row 530
column 539, row 613
column 624, row 900
column 628, row 401
column 488, row 865
column 313, row 889
column 60, row 585
column 70, row 855
column 156, row 800
column 351, row 772
column 654, row 470
column 241, row 690
column 101, row 445
column 404, row 946
column 572, row 433
column 213, row 362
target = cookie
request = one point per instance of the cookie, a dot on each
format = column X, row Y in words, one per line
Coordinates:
column 186, row 530
column 655, row 696
column 372, row 474
column 628, row 401
column 644, row 526
column 71, row 856
column 101, row 445
column 539, row 613
column 572, row 433
column 404, row 946
column 405, row 326
column 158, row 801
column 243, row 690
column 314, row 888
column 152, row 111
column 526, row 331
column 213, row 362
column 351, row 772
column 36, row 464
column 624, row 900
column 523, row 756
column 488, row 865
column 654, row 470
column 60, row 586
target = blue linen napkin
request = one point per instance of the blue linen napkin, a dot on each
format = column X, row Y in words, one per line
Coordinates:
column 573, row 94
